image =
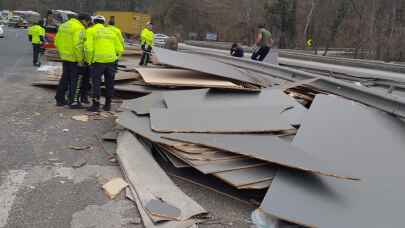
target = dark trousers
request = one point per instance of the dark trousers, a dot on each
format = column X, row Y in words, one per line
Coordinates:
column 84, row 78
column 261, row 54
column 97, row 71
column 147, row 51
column 69, row 82
column 36, row 50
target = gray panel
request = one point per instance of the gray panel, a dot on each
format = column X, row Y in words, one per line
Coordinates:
column 358, row 139
column 202, row 64
column 141, row 126
column 149, row 180
column 220, row 120
column 243, row 177
column 142, row 105
column 209, row 98
column 265, row 147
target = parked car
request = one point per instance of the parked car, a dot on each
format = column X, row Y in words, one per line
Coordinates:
column 2, row 31
column 160, row 40
column 13, row 21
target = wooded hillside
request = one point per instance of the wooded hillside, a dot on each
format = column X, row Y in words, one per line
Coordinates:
column 374, row 28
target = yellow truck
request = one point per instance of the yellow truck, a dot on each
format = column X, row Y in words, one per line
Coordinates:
column 129, row 22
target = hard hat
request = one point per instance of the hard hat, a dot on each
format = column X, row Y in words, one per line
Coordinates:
column 98, row 18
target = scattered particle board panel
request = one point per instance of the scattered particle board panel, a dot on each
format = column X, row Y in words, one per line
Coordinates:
column 150, row 181
column 265, row 147
column 243, row 177
column 204, row 65
column 124, row 76
column 358, row 139
column 220, row 120
column 210, row 98
column 183, row 78
column 140, row 125
column 142, row 105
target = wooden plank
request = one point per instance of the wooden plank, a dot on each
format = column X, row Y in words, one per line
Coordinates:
column 243, row 177
column 183, row 78
column 142, row 105
column 359, row 139
column 149, row 180
column 203, row 64
column 229, row 165
column 265, row 147
column 209, row 98
column 219, row 120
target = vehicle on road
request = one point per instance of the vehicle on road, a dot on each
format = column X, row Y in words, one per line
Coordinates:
column 18, row 22
column 2, row 33
column 160, row 40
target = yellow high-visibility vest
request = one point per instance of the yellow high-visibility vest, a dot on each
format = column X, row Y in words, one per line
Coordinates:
column 102, row 45
column 70, row 40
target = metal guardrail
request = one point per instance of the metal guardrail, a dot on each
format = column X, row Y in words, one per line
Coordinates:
column 297, row 54
column 364, row 95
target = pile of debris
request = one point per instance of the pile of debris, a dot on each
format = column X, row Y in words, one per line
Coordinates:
column 306, row 156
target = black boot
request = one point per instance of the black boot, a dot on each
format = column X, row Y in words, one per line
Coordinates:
column 107, row 106
column 84, row 99
column 95, row 107
column 75, row 105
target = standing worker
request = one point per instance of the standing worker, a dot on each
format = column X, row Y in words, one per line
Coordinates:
column 36, row 34
column 264, row 42
column 147, row 41
column 103, row 49
column 70, row 44
column 117, row 31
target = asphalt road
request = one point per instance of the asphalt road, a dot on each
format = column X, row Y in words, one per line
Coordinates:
column 38, row 186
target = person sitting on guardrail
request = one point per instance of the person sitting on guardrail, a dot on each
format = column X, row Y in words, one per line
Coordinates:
column 264, row 42
column 237, row 50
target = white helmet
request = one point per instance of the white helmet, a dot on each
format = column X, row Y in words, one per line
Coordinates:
column 98, row 18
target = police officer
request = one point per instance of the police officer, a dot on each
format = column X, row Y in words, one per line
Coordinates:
column 147, row 41
column 70, row 44
column 36, row 34
column 116, row 30
column 103, row 48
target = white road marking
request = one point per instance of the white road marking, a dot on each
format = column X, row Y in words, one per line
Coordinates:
column 11, row 183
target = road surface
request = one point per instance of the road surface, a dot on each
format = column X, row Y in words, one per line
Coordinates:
column 38, row 186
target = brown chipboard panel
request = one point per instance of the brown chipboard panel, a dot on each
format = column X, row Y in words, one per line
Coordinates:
column 358, row 139
column 220, row 120
column 184, row 78
column 268, row 148
column 203, row 64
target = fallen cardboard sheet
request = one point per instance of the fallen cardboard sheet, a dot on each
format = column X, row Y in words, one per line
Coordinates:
column 264, row 147
column 163, row 209
column 139, row 89
column 213, row 184
column 142, row 105
column 114, row 187
column 203, row 64
column 140, row 125
column 150, row 181
column 124, row 76
column 184, row 78
column 175, row 161
column 147, row 222
column 358, row 139
column 212, row 99
column 230, row 165
column 243, row 177
column 220, row 120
